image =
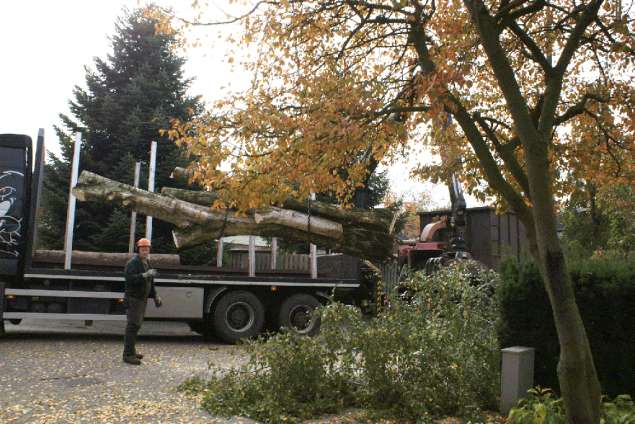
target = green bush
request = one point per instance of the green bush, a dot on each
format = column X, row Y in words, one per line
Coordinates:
column 433, row 356
column 542, row 407
column 605, row 293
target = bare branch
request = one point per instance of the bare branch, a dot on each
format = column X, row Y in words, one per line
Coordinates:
column 230, row 21
column 578, row 108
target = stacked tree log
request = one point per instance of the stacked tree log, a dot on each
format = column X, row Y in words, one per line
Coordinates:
column 105, row 259
column 362, row 233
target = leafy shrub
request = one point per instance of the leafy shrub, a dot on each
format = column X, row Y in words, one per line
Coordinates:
column 433, row 356
column 543, row 407
column 605, row 293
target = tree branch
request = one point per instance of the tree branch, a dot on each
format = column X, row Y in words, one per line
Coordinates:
column 536, row 53
column 506, row 155
column 578, row 108
column 554, row 82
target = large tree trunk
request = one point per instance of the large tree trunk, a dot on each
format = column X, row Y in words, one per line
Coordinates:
column 110, row 259
column 576, row 371
column 366, row 234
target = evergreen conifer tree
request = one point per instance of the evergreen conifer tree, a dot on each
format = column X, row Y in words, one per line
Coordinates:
column 128, row 98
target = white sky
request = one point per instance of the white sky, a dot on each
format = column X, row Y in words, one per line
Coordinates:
column 46, row 45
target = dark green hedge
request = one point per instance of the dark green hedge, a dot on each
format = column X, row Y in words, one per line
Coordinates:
column 605, row 292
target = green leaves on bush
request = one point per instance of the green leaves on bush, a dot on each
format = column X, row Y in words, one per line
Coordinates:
column 433, row 356
column 543, row 407
column 605, row 293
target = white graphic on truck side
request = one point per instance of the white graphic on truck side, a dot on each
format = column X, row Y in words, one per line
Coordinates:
column 10, row 226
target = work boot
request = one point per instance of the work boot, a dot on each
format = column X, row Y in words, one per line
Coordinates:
column 132, row 360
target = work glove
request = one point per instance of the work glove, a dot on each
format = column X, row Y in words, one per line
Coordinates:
column 158, row 302
column 150, row 273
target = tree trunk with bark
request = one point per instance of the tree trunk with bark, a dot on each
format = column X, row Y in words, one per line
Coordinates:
column 366, row 234
column 110, row 259
column 579, row 384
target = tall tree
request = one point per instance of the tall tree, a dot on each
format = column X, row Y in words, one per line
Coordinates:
column 540, row 92
column 129, row 97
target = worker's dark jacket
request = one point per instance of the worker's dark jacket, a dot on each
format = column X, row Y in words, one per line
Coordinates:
column 136, row 285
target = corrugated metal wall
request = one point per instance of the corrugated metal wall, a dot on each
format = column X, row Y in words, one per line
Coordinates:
column 490, row 237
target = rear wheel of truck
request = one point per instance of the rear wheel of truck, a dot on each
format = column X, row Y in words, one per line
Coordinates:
column 15, row 321
column 297, row 314
column 237, row 315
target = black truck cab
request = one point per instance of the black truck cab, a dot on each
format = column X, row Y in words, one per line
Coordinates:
column 15, row 199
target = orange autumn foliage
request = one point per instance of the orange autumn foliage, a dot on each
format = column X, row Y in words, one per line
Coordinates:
column 339, row 84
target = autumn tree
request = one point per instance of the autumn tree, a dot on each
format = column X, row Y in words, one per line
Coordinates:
column 540, row 94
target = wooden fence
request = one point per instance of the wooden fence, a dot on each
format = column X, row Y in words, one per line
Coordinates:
column 285, row 261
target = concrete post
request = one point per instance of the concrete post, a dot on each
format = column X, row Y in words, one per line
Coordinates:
column 517, row 375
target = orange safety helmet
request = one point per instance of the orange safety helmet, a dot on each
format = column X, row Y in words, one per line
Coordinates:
column 144, row 242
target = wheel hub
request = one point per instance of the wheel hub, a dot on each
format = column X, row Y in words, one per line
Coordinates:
column 240, row 316
column 300, row 318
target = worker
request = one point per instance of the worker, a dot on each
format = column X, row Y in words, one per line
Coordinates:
column 139, row 286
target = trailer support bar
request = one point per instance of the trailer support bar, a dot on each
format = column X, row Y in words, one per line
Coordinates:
column 70, row 214
column 151, row 171
column 133, row 214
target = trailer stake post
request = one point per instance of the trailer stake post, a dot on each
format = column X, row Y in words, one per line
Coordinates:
column 252, row 256
column 70, row 213
column 133, row 214
column 313, row 253
column 274, row 253
column 151, row 171
column 219, row 253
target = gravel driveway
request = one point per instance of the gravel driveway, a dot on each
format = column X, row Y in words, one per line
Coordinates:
column 66, row 372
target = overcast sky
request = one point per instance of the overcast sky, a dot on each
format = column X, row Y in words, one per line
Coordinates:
column 46, row 45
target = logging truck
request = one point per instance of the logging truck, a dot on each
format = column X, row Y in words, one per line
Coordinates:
column 89, row 286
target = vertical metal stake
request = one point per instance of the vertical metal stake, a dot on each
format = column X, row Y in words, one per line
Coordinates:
column 133, row 214
column 219, row 253
column 313, row 252
column 152, row 170
column 252, row 256
column 274, row 253
column 517, row 375
column 70, row 212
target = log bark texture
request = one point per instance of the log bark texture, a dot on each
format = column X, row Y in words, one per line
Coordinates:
column 110, row 259
column 366, row 234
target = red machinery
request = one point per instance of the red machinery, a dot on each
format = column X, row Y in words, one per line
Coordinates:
column 431, row 248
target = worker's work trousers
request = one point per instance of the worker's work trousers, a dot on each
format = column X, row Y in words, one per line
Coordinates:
column 134, row 315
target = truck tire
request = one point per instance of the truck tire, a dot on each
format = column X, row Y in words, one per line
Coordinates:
column 296, row 314
column 15, row 321
column 237, row 315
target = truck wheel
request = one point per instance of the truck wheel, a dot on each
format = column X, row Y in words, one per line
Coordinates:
column 296, row 313
column 15, row 321
column 238, row 314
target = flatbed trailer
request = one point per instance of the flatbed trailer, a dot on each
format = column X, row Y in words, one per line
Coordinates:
column 213, row 301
